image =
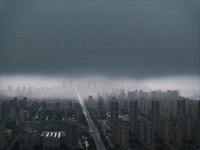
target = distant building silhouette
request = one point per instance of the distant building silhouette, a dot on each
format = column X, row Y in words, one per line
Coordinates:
column 78, row 110
column 133, row 115
column 12, row 113
column 0, row 110
column 155, row 108
column 199, row 110
column 197, row 135
column 2, row 130
column 114, row 119
column 100, row 105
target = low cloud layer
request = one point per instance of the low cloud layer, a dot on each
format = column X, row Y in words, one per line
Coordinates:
column 131, row 38
column 98, row 45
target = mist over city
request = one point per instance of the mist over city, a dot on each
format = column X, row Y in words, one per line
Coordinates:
column 62, row 87
column 99, row 75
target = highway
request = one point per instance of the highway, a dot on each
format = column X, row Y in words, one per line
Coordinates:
column 92, row 128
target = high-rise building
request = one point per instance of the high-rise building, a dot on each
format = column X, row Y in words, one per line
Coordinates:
column 155, row 108
column 181, row 111
column 11, row 102
column 122, row 94
column 0, row 111
column 123, row 135
column 193, row 110
column 26, row 114
column 199, row 110
column 57, row 107
column 12, row 113
column 181, row 114
column 18, row 121
column 140, row 130
column 114, row 120
column 197, row 135
column 130, row 95
column 173, row 110
column 136, row 94
column 146, row 109
column 21, row 113
column 1, row 134
column 70, row 108
column 125, row 108
column 148, row 133
column 65, row 115
column 141, row 94
column 24, row 102
column 100, row 105
column 146, row 95
column 189, row 129
column 177, row 140
column 72, row 136
column 16, row 103
column 43, row 112
column 142, row 103
column 90, row 101
column 154, row 94
column 165, row 133
column 133, row 115
column 77, row 109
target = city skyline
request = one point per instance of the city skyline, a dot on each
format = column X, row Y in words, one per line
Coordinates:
column 90, row 85
column 116, row 119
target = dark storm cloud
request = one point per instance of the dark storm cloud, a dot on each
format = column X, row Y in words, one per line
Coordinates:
column 131, row 37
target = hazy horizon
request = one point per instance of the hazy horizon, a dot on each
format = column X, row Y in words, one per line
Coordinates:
column 91, row 85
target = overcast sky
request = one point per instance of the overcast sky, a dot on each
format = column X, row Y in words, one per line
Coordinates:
column 131, row 38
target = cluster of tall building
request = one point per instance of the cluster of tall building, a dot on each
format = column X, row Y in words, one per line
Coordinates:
column 152, row 120
column 17, row 111
column 119, row 128
column 25, row 117
column 13, row 114
column 53, row 92
column 60, row 110
column 165, row 117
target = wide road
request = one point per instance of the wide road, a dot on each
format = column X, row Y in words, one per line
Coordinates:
column 92, row 128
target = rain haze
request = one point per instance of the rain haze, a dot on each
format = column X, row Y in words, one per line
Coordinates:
column 128, row 44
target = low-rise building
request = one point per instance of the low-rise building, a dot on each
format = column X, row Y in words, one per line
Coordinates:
column 52, row 140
